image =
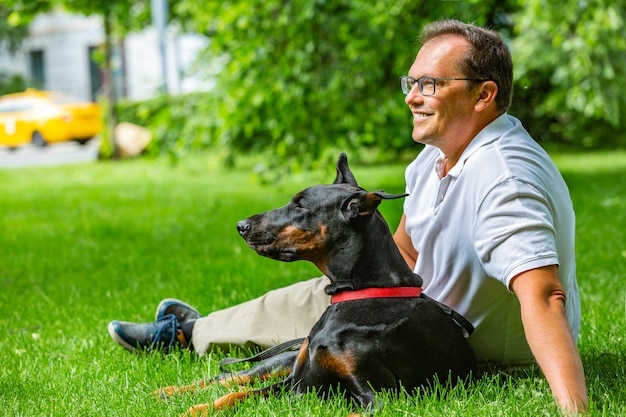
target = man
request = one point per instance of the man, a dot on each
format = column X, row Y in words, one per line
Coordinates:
column 488, row 224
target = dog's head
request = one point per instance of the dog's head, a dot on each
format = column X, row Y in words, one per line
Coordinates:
column 317, row 222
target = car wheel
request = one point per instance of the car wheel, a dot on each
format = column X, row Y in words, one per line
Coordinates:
column 38, row 139
column 83, row 141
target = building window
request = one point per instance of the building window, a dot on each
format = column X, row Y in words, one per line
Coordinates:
column 37, row 69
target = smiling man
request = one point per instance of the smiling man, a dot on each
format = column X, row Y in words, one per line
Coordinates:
column 488, row 222
column 488, row 225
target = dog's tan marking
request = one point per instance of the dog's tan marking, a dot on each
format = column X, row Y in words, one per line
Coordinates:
column 229, row 400
column 199, row 410
column 341, row 364
column 303, row 354
column 304, row 240
column 226, row 401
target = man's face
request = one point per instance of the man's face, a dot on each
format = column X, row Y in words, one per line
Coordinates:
column 446, row 118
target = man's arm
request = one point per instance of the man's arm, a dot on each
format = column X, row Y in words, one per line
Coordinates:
column 404, row 243
column 542, row 301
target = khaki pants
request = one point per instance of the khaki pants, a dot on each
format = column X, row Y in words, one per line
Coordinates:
column 278, row 316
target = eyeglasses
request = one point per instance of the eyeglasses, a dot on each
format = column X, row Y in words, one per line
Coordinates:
column 426, row 84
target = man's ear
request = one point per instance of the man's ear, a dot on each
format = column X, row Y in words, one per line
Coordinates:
column 487, row 93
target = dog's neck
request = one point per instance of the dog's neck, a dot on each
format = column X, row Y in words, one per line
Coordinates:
column 373, row 260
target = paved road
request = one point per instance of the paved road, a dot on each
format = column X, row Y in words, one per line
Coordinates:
column 51, row 155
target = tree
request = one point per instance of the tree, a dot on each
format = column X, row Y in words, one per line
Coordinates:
column 570, row 60
column 305, row 78
column 11, row 34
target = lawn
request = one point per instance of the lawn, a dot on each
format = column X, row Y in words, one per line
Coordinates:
column 83, row 245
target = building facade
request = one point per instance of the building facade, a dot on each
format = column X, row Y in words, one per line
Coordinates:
column 63, row 52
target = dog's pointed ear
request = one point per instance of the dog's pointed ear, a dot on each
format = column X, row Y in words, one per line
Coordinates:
column 344, row 175
column 364, row 203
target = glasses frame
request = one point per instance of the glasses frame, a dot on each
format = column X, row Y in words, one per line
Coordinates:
column 404, row 83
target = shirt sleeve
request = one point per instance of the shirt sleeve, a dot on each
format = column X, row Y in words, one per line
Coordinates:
column 514, row 230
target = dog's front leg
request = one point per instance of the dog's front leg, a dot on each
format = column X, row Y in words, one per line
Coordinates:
column 226, row 401
column 230, row 400
column 367, row 399
column 362, row 390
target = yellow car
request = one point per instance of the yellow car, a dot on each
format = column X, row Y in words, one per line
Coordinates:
column 42, row 117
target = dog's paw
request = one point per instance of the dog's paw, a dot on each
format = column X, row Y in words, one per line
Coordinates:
column 165, row 392
column 199, row 410
column 230, row 400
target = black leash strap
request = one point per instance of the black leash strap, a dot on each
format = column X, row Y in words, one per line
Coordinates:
column 466, row 327
column 266, row 354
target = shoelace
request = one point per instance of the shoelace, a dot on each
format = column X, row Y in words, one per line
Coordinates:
column 171, row 324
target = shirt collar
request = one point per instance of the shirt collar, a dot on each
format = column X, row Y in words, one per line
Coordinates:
column 487, row 135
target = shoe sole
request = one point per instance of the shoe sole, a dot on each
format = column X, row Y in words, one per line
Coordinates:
column 113, row 332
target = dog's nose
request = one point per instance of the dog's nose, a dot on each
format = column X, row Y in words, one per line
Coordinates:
column 243, row 227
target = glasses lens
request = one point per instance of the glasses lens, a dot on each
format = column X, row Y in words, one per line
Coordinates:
column 427, row 86
column 407, row 84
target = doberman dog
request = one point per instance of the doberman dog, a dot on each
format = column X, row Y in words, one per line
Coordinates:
column 380, row 331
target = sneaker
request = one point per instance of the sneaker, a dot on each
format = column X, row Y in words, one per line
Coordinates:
column 183, row 311
column 162, row 335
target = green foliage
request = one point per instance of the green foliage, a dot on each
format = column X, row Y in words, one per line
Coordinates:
column 11, row 84
column 179, row 124
column 570, row 60
column 11, row 35
column 127, row 15
column 305, row 78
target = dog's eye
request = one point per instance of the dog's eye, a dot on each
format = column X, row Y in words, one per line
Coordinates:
column 297, row 204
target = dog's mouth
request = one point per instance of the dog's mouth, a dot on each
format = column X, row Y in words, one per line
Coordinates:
column 280, row 254
column 267, row 245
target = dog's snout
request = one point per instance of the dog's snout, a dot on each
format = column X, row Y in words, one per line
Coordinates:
column 243, row 227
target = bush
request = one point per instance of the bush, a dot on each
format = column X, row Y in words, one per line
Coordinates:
column 11, row 83
column 179, row 124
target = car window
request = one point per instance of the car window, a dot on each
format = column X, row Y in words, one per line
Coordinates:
column 15, row 104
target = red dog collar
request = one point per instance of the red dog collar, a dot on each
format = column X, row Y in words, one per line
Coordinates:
column 392, row 292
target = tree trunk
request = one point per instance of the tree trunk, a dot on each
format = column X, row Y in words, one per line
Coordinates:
column 109, row 86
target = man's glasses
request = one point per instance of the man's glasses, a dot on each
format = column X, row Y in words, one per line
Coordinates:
column 426, row 84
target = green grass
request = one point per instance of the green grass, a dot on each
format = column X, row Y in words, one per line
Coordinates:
column 83, row 245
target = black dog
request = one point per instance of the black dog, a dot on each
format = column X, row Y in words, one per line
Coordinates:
column 380, row 332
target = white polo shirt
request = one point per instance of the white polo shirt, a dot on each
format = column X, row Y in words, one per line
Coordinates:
column 501, row 210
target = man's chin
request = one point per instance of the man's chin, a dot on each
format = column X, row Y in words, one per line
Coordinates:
column 419, row 138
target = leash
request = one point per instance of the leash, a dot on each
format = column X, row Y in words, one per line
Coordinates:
column 466, row 327
column 266, row 354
